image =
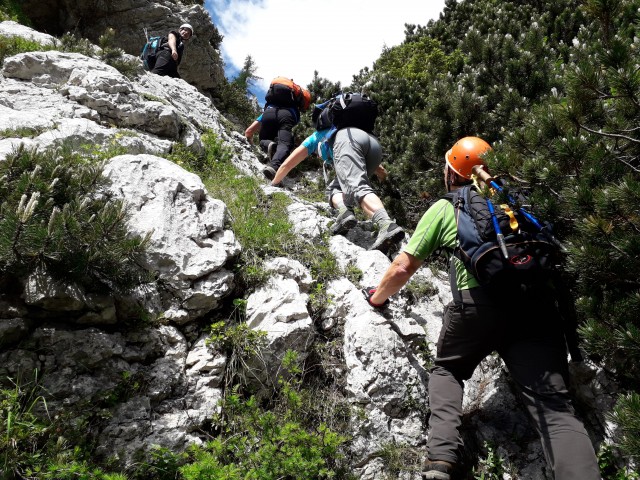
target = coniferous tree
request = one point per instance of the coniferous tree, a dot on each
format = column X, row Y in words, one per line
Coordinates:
column 321, row 90
column 484, row 67
column 554, row 87
column 580, row 151
column 247, row 74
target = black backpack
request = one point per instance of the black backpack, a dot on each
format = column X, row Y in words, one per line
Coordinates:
column 150, row 51
column 532, row 253
column 346, row 110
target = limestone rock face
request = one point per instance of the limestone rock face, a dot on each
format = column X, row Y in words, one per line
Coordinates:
column 166, row 378
column 14, row 29
column 201, row 64
column 279, row 308
column 188, row 242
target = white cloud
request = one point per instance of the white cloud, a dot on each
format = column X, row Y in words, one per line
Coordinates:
column 293, row 38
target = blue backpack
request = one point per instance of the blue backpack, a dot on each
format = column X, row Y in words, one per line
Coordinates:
column 150, row 51
column 528, row 255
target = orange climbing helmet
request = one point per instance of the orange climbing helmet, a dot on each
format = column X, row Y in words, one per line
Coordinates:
column 465, row 154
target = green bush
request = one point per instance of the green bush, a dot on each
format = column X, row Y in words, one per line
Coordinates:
column 625, row 413
column 10, row 46
column 12, row 10
column 277, row 442
column 76, row 44
column 52, row 216
column 163, row 464
column 610, row 465
column 33, row 445
column 114, row 56
column 231, row 99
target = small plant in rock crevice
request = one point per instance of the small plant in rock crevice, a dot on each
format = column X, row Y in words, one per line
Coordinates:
column 238, row 341
column 490, row 467
column 419, row 288
column 399, row 458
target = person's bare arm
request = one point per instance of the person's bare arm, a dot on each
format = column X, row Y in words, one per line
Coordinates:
column 396, row 277
column 297, row 156
column 173, row 45
column 251, row 130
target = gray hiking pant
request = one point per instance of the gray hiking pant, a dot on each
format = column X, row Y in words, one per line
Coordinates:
column 527, row 334
column 356, row 155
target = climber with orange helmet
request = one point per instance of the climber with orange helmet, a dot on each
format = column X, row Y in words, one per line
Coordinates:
column 476, row 323
column 465, row 154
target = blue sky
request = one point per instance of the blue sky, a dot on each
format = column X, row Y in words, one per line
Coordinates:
column 293, row 38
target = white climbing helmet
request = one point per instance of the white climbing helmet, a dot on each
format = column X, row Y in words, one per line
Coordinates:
column 187, row 25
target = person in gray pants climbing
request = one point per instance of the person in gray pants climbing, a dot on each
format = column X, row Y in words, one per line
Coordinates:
column 356, row 155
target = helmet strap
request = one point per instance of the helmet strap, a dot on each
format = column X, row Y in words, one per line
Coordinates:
column 455, row 180
column 451, row 176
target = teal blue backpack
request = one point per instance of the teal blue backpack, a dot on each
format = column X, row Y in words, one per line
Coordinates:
column 150, row 51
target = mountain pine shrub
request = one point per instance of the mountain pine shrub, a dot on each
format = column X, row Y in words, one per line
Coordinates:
column 55, row 216
column 553, row 86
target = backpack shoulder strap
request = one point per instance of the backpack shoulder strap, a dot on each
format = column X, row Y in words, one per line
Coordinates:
column 450, row 197
column 456, row 197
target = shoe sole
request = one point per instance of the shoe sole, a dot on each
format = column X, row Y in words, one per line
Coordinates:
column 387, row 242
column 434, row 475
column 269, row 174
column 344, row 227
column 271, row 151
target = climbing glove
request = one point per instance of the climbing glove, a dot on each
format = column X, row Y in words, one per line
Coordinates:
column 368, row 293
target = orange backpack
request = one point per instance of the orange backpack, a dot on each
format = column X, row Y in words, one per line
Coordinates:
column 284, row 92
column 305, row 99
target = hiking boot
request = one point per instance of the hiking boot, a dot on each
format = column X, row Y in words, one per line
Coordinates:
column 271, row 150
column 387, row 236
column 436, row 470
column 344, row 222
column 269, row 172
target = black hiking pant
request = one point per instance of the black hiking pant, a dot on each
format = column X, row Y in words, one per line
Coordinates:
column 277, row 124
column 165, row 64
column 527, row 333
